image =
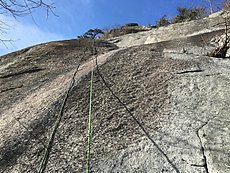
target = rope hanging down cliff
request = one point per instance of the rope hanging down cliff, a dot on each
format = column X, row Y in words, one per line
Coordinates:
column 48, row 148
column 88, row 158
column 135, row 119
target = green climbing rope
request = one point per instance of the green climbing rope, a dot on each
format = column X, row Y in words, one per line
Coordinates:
column 89, row 125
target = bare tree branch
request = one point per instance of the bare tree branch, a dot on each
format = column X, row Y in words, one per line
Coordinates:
column 21, row 8
column 4, row 41
column 210, row 6
column 24, row 7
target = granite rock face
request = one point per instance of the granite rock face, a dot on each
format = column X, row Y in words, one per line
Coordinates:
column 214, row 22
column 124, row 30
column 179, row 96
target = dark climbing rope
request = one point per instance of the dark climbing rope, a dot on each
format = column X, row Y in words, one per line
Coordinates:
column 45, row 158
column 135, row 119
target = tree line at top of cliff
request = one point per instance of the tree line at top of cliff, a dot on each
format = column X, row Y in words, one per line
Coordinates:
column 189, row 14
column 184, row 15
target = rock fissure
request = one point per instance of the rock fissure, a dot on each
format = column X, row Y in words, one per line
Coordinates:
column 190, row 71
column 195, row 165
column 11, row 88
column 202, row 149
column 25, row 71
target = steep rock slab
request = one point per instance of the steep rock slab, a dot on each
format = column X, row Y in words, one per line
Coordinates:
column 173, row 31
column 33, row 83
column 194, row 131
column 200, row 103
column 139, row 77
column 133, row 74
column 170, row 87
column 22, row 72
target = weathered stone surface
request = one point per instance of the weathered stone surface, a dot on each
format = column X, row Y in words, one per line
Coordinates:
column 173, row 31
column 124, row 30
column 33, row 82
column 197, row 112
column 179, row 95
column 220, row 40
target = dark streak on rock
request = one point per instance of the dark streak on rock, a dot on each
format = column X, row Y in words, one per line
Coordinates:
column 195, row 165
column 190, row 71
column 11, row 88
column 24, row 71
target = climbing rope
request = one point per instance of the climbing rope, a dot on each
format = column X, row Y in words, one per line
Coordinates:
column 88, row 152
column 48, row 148
column 88, row 158
column 135, row 119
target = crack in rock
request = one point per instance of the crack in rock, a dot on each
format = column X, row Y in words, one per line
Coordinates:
column 11, row 88
column 205, row 165
column 195, row 165
column 25, row 71
column 190, row 71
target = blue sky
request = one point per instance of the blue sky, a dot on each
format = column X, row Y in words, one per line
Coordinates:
column 77, row 16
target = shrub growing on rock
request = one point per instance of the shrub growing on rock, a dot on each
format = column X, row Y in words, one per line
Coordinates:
column 226, row 5
column 131, row 24
column 162, row 22
column 186, row 14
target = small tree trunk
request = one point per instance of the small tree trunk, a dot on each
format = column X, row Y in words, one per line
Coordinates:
column 221, row 51
column 210, row 6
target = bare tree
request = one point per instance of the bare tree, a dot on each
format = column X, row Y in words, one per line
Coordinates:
column 223, row 45
column 210, row 6
column 20, row 8
column 217, row 5
column 226, row 5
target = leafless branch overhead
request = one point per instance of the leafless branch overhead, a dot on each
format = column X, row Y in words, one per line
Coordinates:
column 18, row 8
